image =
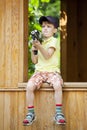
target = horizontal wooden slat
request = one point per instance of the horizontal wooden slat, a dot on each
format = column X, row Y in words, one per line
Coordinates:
column 12, row 89
column 68, row 86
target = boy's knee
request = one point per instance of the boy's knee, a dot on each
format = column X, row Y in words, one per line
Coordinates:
column 58, row 85
column 30, row 87
column 58, row 88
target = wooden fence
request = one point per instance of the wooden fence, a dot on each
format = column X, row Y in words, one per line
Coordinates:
column 13, row 108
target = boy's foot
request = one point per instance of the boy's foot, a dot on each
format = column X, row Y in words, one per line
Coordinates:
column 30, row 117
column 59, row 118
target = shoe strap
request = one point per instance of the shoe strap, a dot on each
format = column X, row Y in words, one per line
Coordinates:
column 29, row 116
column 59, row 116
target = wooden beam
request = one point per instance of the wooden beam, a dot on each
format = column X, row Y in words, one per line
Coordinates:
column 68, row 86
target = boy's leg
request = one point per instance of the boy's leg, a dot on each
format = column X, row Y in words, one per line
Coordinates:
column 30, row 94
column 57, row 83
column 30, row 117
column 35, row 82
column 59, row 116
column 58, row 94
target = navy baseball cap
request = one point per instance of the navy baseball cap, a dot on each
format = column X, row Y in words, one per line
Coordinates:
column 51, row 19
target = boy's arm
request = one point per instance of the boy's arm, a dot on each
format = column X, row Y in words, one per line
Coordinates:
column 46, row 53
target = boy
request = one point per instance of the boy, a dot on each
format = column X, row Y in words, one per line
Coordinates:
column 46, row 69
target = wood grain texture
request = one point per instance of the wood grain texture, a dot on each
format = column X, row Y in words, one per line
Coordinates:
column 2, row 43
column 13, row 109
column 12, row 43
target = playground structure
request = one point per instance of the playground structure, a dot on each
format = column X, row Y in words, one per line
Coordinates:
column 14, row 69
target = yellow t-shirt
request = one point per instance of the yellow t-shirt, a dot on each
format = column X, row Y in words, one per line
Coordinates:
column 53, row 63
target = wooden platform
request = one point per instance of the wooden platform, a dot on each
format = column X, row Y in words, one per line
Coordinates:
column 13, row 108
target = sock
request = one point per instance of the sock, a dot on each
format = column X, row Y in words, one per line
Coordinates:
column 59, row 108
column 31, row 109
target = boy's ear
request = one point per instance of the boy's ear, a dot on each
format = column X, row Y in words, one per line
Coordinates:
column 55, row 30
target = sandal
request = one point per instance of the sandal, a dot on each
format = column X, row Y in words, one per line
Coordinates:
column 30, row 117
column 59, row 118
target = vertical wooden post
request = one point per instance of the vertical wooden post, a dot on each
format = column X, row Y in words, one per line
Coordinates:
column 72, row 41
column 63, row 25
column 13, row 42
column 25, row 59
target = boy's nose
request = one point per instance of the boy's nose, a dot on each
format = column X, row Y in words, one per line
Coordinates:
column 45, row 27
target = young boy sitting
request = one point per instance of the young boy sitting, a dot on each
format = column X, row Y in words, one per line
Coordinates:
column 46, row 69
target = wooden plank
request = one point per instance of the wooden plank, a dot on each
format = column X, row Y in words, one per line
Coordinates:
column 8, row 43
column 44, row 105
column 63, row 40
column 72, row 42
column 7, row 109
column 2, row 43
column 68, row 86
column 82, row 38
column 85, row 109
column 25, row 44
column 21, row 110
column 15, row 41
column 73, row 114
column 81, row 110
column 21, row 41
column 66, row 108
column 12, row 42
column 14, row 111
column 1, row 111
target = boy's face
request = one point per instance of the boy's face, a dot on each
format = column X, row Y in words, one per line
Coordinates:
column 48, row 29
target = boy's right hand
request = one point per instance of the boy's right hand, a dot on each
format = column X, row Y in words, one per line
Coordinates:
column 34, row 50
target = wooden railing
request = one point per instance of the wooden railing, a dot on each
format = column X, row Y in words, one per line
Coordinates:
column 68, row 86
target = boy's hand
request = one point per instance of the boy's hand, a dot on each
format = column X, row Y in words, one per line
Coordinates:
column 34, row 54
column 34, row 50
column 36, row 43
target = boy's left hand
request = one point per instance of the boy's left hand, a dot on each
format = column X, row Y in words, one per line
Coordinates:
column 36, row 43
